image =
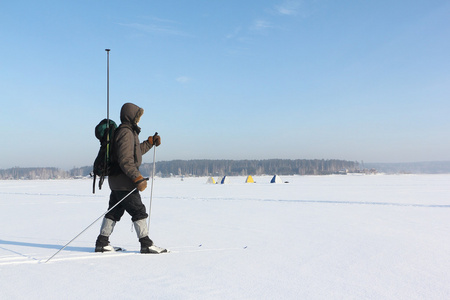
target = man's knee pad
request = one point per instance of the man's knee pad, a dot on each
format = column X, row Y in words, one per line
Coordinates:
column 141, row 228
column 107, row 227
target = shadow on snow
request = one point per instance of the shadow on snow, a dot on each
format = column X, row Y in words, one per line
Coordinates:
column 46, row 246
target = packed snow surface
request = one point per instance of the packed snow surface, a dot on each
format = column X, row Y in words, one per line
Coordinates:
column 315, row 237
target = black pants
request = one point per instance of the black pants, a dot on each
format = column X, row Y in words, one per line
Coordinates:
column 132, row 204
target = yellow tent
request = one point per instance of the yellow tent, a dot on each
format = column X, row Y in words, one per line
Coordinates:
column 249, row 179
column 211, row 180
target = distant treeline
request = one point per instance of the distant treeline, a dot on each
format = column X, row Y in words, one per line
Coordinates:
column 429, row 167
column 243, row 167
column 33, row 173
column 250, row 167
column 203, row 168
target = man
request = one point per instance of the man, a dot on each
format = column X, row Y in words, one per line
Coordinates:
column 127, row 154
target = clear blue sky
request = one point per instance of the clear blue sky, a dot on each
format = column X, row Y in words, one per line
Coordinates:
column 323, row 79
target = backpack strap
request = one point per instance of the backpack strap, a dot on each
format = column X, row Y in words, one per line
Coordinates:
column 93, row 187
column 100, row 181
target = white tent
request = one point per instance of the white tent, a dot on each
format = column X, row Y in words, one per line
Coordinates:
column 276, row 179
column 225, row 180
column 211, row 180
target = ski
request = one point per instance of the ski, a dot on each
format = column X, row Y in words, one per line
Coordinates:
column 120, row 249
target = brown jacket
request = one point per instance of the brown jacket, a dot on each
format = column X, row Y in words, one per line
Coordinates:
column 127, row 150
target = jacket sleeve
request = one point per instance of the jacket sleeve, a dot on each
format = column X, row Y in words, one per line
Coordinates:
column 145, row 146
column 126, row 153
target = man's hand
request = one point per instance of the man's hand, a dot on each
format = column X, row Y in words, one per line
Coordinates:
column 154, row 140
column 141, row 183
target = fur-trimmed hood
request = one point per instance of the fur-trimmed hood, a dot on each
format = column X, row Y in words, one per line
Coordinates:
column 130, row 113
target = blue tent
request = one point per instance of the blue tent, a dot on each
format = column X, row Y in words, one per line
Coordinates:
column 225, row 180
column 276, row 179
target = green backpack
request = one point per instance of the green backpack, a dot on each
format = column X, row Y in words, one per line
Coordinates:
column 104, row 164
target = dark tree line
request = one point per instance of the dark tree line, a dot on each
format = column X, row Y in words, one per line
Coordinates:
column 202, row 168
column 250, row 167
column 33, row 173
column 241, row 167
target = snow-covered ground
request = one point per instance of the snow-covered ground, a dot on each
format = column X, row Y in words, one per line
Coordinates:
column 316, row 237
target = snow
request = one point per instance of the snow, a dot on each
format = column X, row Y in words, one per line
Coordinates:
column 316, row 237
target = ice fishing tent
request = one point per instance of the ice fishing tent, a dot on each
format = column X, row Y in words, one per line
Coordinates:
column 225, row 180
column 249, row 179
column 276, row 179
column 211, row 180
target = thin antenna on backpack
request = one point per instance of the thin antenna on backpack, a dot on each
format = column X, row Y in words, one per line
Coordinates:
column 107, row 105
column 102, row 161
column 107, row 84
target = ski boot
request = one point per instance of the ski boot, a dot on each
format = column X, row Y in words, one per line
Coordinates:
column 147, row 247
column 102, row 244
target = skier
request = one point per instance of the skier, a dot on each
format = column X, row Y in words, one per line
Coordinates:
column 127, row 155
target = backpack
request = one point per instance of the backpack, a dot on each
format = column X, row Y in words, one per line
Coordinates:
column 104, row 164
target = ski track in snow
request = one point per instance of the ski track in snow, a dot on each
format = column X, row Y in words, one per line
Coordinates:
column 48, row 194
column 23, row 258
column 336, row 237
column 313, row 202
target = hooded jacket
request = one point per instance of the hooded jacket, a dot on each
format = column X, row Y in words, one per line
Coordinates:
column 127, row 150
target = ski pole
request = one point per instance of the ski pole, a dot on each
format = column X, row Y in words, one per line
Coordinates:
column 91, row 224
column 151, row 188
